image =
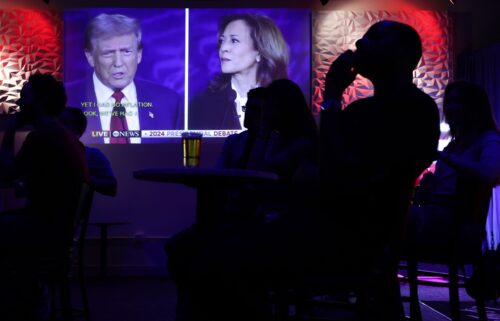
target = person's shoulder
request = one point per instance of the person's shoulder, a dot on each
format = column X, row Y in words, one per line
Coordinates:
column 94, row 155
column 93, row 151
column 417, row 104
column 418, row 97
column 491, row 136
column 239, row 138
column 360, row 105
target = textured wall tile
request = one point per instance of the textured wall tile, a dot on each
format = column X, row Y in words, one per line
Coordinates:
column 336, row 31
column 30, row 41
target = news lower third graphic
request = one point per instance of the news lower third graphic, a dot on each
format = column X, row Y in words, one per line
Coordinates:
column 159, row 133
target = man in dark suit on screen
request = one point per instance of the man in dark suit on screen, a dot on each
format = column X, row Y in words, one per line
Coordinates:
column 118, row 106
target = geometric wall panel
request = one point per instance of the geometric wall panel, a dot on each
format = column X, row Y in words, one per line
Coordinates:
column 336, row 31
column 30, row 42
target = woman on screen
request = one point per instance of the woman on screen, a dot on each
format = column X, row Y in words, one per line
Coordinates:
column 252, row 53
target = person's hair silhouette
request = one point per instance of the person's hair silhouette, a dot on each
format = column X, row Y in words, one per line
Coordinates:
column 467, row 109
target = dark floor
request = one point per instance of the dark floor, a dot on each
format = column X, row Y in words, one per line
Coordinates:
column 153, row 299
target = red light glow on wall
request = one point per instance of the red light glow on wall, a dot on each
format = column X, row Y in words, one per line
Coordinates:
column 30, row 41
column 336, row 31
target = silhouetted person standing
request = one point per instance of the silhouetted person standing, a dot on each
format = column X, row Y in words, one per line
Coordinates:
column 52, row 168
column 372, row 152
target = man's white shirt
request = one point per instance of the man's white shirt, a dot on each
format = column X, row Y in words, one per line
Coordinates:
column 105, row 103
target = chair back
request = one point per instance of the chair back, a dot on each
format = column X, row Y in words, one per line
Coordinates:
column 81, row 218
column 55, row 267
column 82, row 211
column 61, row 254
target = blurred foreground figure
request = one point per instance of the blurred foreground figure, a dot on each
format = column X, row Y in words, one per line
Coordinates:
column 51, row 166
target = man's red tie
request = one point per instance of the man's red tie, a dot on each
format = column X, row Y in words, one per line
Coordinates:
column 118, row 120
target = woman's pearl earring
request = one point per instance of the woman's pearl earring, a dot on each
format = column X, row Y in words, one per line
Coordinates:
column 257, row 58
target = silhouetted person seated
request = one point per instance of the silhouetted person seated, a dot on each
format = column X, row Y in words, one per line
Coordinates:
column 102, row 178
column 371, row 153
column 51, row 164
column 236, row 149
column 466, row 171
column 276, row 140
column 223, row 273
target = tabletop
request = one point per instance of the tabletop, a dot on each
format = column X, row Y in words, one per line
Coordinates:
column 199, row 177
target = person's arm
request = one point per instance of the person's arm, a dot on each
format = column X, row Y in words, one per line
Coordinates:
column 285, row 158
column 486, row 169
column 102, row 178
column 225, row 159
column 340, row 75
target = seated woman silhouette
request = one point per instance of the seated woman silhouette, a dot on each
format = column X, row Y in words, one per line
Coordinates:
column 221, row 273
column 236, row 148
column 466, row 171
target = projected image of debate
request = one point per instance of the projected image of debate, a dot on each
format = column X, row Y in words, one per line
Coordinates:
column 234, row 50
column 125, row 69
column 147, row 75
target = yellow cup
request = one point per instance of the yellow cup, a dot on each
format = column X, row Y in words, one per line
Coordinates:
column 191, row 147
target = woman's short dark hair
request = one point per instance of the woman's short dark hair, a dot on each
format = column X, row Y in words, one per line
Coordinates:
column 477, row 114
column 267, row 40
column 49, row 92
column 295, row 117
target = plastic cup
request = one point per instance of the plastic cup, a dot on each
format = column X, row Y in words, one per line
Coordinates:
column 191, row 147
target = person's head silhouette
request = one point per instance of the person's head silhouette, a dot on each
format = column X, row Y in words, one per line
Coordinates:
column 467, row 109
column 388, row 48
column 387, row 54
column 41, row 96
column 289, row 111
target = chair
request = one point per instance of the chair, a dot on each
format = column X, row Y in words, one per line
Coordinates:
column 453, row 263
column 55, row 268
column 340, row 292
column 459, row 252
column 352, row 294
